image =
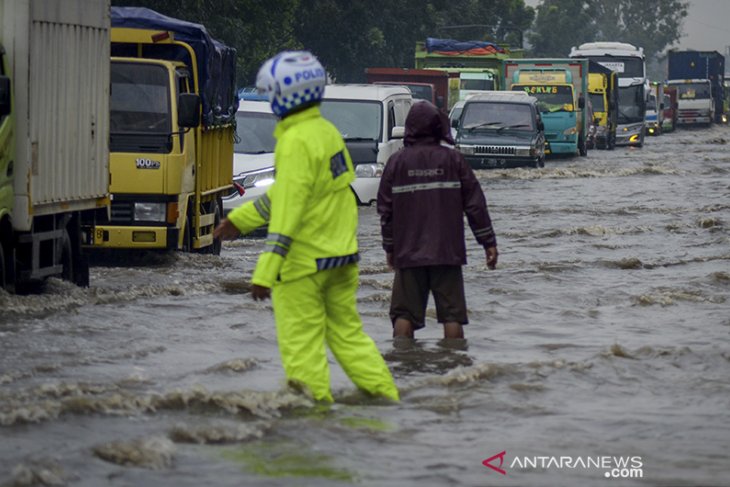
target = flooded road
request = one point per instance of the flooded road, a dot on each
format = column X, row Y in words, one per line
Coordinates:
column 598, row 352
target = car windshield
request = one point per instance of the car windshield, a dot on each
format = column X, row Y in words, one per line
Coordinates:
column 497, row 116
column 550, row 98
column 693, row 91
column 255, row 132
column 356, row 120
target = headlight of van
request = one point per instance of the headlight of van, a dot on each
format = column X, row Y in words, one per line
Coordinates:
column 522, row 151
column 467, row 150
column 256, row 179
column 150, row 212
column 369, row 170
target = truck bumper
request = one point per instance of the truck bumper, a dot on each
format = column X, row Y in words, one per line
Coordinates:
column 561, row 148
column 116, row 237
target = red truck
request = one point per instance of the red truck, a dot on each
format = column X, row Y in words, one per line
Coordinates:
column 425, row 84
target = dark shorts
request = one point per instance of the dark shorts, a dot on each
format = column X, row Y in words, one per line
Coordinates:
column 411, row 288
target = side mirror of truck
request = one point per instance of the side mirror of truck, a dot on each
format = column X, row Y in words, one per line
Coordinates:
column 440, row 101
column 455, row 123
column 398, row 132
column 581, row 102
column 4, row 96
column 188, row 110
column 540, row 126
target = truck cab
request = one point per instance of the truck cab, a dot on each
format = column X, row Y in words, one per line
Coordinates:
column 172, row 119
column 562, row 108
column 694, row 101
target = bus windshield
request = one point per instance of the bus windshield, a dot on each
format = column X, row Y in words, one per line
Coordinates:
column 631, row 106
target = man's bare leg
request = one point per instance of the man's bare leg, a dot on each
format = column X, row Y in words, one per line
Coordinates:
column 453, row 329
column 402, row 328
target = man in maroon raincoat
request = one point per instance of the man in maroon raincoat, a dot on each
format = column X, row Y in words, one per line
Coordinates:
column 425, row 190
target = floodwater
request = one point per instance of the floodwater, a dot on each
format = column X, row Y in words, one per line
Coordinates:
column 597, row 353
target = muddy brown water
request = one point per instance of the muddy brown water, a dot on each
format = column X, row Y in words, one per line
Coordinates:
column 598, row 351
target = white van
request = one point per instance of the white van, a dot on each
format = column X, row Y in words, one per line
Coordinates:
column 372, row 121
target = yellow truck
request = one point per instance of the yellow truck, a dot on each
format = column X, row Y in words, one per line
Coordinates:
column 172, row 128
column 603, row 97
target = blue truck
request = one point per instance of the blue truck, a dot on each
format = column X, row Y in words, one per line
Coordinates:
column 698, row 77
column 560, row 86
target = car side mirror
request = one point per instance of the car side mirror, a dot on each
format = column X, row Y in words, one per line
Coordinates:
column 581, row 102
column 455, row 123
column 540, row 126
column 4, row 96
column 188, row 110
column 440, row 101
column 398, row 132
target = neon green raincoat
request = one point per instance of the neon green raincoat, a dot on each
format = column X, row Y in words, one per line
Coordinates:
column 310, row 257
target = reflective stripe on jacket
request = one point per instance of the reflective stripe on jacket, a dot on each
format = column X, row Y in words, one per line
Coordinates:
column 310, row 208
column 425, row 191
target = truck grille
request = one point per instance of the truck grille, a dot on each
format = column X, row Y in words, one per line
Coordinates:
column 494, row 149
column 122, row 211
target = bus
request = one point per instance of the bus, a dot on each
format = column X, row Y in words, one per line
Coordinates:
column 630, row 64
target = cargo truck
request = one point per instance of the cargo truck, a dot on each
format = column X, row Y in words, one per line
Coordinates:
column 473, row 66
column 173, row 107
column 54, row 132
column 425, row 84
column 698, row 77
column 560, row 86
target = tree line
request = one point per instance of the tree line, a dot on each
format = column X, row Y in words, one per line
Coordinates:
column 351, row 35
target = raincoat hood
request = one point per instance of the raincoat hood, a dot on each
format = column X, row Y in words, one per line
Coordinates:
column 426, row 124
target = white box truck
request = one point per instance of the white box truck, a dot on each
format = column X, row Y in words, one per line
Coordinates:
column 54, row 135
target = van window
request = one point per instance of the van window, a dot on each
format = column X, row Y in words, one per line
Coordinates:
column 391, row 118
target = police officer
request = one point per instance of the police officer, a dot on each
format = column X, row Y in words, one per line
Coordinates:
column 309, row 263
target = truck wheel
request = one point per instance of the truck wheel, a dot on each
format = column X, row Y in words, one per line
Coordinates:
column 215, row 248
column 3, row 279
column 7, row 270
column 67, row 258
column 187, row 243
column 582, row 149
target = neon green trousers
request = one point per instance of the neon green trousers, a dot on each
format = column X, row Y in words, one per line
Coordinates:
column 322, row 308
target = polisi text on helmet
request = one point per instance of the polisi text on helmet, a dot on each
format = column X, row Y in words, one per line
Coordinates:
column 309, row 74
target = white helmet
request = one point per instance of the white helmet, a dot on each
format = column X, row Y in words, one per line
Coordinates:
column 291, row 79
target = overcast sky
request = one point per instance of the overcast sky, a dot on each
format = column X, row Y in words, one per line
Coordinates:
column 706, row 27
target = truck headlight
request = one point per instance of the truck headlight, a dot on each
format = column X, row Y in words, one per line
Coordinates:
column 150, row 212
column 369, row 170
column 522, row 152
column 467, row 150
column 570, row 131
